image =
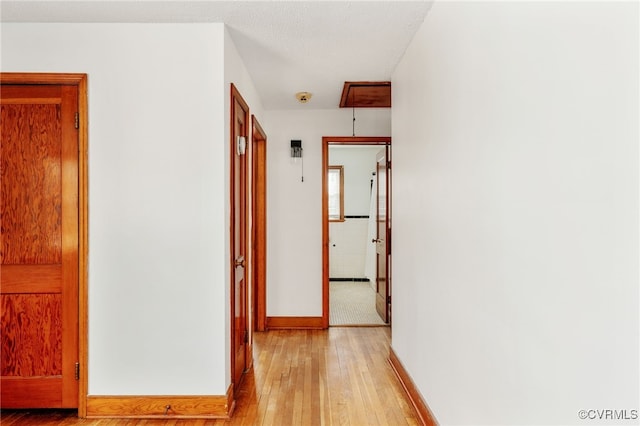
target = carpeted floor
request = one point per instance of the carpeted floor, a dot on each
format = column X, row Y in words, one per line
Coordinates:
column 352, row 303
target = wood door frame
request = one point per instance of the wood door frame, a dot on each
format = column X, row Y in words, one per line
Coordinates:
column 326, row 141
column 235, row 96
column 387, row 243
column 79, row 80
column 258, row 225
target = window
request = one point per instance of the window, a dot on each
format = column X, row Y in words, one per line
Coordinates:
column 336, row 193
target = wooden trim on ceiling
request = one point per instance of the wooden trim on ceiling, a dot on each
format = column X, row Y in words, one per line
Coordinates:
column 366, row 94
column 424, row 413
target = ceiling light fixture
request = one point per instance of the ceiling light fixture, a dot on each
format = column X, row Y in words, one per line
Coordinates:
column 303, row 97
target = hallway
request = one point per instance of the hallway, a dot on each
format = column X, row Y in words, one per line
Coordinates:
column 339, row 376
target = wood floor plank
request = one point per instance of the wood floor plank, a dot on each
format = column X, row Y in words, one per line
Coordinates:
column 336, row 377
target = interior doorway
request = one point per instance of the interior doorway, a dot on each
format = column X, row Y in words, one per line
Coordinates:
column 350, row 223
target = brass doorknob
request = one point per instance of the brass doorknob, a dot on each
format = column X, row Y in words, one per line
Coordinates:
column 239, row 262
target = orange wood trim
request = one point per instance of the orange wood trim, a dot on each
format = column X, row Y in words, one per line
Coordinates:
column 42, row 78
column 81, row 81
column 326, row 141
column 325, row 233
column 341, row 170
column 258, row 130
column 70, row 245
column 83, row 243
column 357, row 140
column 155, row 407
column 418, row 402
column 305, row 323
column 231, row 401
column 41, row 101
column 259, row 223
column 377, row 94
column 19, row 393
column 31, row 279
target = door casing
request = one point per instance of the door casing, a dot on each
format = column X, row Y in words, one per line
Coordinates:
column 326, row 141
column 383, row 232
column 239, row 114
column 258, row 225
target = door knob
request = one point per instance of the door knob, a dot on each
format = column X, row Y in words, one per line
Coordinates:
column 239, row 262
column 376, row 240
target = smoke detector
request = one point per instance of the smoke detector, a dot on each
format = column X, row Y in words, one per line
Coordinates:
column 303, row 97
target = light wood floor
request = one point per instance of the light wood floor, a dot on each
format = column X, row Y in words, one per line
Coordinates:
column 339, row 376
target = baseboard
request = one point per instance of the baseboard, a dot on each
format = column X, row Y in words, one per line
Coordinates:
column 303, row 323
column 162, row 406
column 426, row 416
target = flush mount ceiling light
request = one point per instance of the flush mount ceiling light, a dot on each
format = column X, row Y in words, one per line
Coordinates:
column 303, row 97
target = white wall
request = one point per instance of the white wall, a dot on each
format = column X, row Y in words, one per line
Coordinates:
column 348, row 248
column 359, row 163
column 157, row 300
column 515, row 199
column 294, row 216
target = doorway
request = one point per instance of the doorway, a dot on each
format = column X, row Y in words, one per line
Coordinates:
column 349, row 231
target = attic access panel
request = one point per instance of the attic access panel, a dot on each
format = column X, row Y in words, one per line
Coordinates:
column 366, row 94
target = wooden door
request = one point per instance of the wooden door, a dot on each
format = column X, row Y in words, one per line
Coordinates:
column 39, row 243
column 239, row 332
column 382, row 236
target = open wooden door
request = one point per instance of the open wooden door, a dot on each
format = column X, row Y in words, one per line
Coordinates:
column 383, row 298
column 39, row 157
column 239, row 144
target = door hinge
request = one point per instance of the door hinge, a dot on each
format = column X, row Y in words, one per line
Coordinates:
column 77, row 371
column 76, row 120
column 246, row 337
column 388, row 299
column 389, row 164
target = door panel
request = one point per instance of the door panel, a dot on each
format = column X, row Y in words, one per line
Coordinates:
column 240, row 127
column 39, row 208
column 382, row 237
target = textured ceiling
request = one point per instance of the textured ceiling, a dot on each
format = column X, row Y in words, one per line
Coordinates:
column 287, row 46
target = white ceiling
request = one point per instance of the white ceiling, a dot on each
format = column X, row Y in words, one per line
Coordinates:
column 287, row 46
